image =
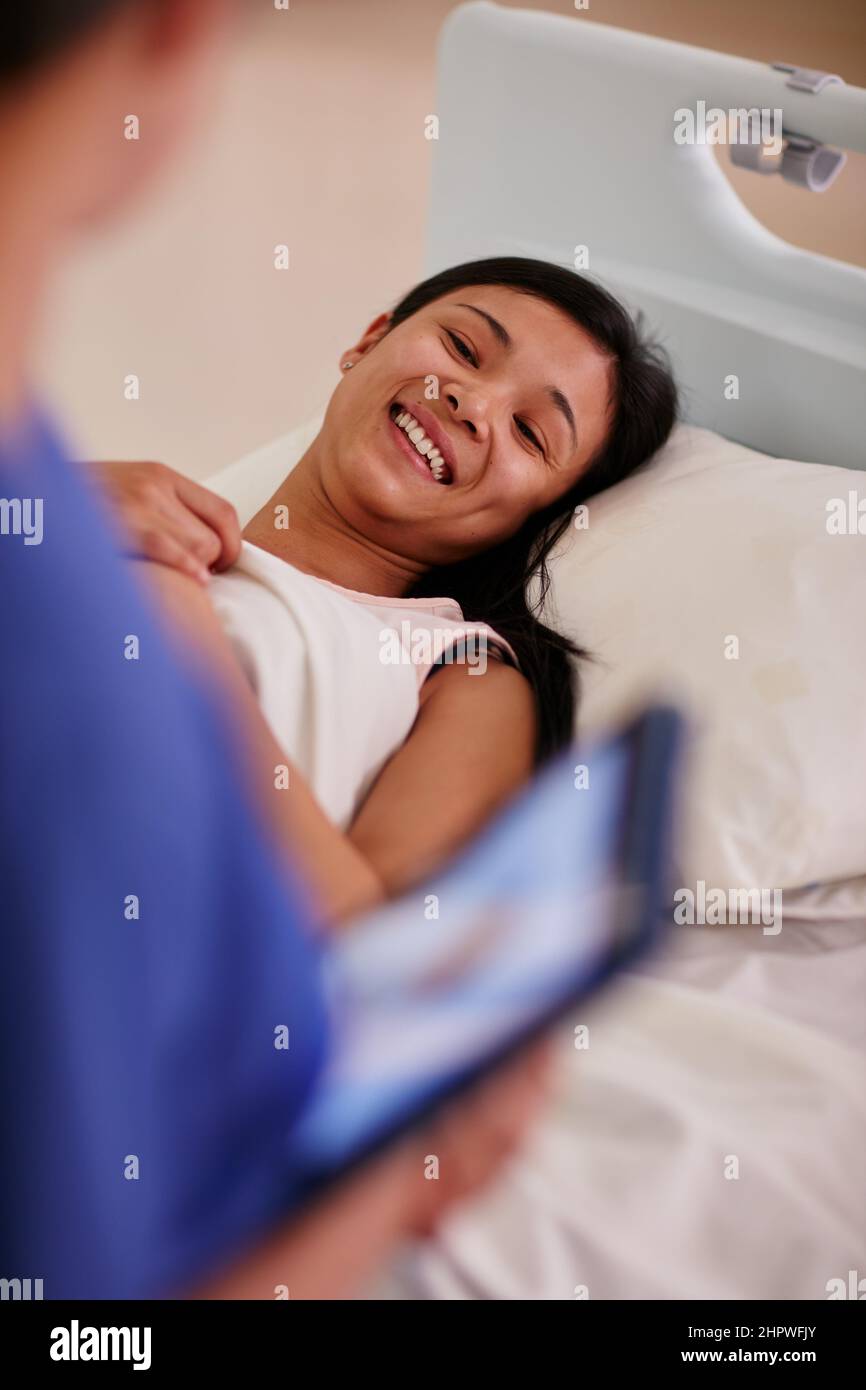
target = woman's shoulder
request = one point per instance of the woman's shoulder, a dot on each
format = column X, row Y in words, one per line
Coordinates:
column 495, row 680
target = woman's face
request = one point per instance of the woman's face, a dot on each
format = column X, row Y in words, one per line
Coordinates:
column 509, row 390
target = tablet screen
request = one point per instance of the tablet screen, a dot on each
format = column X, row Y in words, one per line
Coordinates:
column 425, row 990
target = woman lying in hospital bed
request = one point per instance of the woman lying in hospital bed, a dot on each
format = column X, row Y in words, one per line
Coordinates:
column 378, row 603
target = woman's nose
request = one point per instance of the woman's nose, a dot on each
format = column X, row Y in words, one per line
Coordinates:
column 467, row 408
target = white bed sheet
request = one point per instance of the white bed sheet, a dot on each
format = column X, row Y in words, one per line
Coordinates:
column 730, row 1045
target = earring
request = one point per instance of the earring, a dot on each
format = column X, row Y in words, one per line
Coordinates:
column 346, row 365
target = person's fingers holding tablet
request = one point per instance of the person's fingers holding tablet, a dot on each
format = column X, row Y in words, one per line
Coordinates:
column 474, row 1136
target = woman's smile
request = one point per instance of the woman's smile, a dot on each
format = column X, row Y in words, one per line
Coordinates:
column 423, row 452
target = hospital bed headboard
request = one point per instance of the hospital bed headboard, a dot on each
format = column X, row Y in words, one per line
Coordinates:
column 557, row 133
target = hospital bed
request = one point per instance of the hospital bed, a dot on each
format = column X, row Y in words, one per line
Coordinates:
column 709, row 1141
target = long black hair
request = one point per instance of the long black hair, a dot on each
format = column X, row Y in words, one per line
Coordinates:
column 493, row 586
column 33, row 33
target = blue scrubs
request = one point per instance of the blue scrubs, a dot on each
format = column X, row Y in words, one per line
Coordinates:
column 155, row 958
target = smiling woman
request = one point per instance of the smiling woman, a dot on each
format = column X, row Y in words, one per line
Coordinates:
column 468, row 424
column 565, row 368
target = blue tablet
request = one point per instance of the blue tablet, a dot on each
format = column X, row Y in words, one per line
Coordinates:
column 437, row 988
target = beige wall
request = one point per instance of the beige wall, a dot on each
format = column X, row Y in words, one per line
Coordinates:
column 318, row 143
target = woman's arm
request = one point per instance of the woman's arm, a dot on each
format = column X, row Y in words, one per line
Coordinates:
column 470, row 748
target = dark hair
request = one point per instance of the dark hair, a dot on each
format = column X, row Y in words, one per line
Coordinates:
column 34, row 31
column 492, row 587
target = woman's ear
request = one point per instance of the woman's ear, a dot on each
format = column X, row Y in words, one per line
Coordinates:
column 372, row 335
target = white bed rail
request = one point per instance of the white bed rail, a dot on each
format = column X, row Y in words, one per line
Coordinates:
column 557, row 134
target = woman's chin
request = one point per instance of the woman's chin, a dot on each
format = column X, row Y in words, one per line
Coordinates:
column 393, row 487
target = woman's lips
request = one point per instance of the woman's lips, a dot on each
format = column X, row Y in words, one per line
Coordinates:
column 408, row 448
column 435, row 431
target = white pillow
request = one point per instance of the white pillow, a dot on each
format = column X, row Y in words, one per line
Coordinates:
column 714, row 541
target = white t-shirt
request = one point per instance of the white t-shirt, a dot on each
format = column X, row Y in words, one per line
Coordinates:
column 337, row 673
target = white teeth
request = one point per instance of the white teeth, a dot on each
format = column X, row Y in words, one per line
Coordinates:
column 423, row 445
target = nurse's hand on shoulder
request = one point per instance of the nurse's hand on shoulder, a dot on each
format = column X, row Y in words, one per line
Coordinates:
column 170, row 519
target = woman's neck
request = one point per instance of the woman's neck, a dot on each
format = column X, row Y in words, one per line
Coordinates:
column 299, row 524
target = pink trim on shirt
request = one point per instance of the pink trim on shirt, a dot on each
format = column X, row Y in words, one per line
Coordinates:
column 380, row 602
column 427, row 605
column 446, row 608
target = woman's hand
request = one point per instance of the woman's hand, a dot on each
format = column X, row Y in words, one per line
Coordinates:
column 170, row 519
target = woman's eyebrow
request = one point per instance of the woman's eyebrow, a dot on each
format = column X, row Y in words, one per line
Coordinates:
column 561, row 403
column 499, row 329
column 504, row 337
